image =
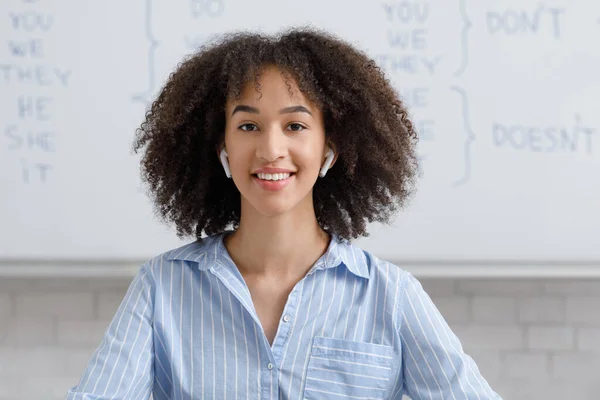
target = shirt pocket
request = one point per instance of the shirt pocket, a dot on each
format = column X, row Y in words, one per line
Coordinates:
column 340, row 368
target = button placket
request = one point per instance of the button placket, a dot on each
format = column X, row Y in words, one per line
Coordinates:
column 285, row 324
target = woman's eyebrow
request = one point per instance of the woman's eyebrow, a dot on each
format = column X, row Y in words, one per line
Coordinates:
column 294, row 109
column 286, row 110
column 244, row 108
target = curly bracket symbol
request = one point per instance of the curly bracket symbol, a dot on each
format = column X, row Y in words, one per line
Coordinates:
column 153, row 44
column 464, row 39
column 470, row 136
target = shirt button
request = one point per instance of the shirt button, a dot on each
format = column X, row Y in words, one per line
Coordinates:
column 286, row 318
column 270, row 366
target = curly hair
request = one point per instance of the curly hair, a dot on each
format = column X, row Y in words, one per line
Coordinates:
column 364, row 118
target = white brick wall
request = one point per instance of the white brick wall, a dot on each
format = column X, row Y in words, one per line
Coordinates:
column 542, row 309
column 49, row 329
column 532, row 339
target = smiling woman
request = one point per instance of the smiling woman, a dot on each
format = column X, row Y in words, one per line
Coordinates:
column 295, row 142
column 275, row 140
column 376, row 163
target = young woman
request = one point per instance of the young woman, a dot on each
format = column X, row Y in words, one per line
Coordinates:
column 275, row 152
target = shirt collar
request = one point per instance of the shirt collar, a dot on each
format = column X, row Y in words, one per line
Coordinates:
column 211, row 252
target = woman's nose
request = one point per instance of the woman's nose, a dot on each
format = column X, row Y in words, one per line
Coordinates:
column 271, row 145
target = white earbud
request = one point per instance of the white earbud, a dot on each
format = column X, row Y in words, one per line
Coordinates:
column 223, row 156
column 327, row 163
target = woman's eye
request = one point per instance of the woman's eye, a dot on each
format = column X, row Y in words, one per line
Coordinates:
column 251, row 127
column 296, row 127
column 248, row 127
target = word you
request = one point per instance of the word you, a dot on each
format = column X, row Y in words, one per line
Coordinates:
column 406, row 12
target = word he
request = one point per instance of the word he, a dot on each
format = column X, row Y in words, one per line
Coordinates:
column 518, row 22
column 417, row 97
column 544, row 139
column 34, row 107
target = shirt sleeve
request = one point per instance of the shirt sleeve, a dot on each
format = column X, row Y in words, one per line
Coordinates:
column 122, row 365
column 434, row 365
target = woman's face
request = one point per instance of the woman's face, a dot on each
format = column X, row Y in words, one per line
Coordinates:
column 276, row 145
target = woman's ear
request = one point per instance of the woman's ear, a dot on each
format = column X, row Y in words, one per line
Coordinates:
column 335, row 153
column 330, row 158
column 223, row 156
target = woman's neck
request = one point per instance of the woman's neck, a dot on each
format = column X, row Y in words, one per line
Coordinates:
column 285, row 245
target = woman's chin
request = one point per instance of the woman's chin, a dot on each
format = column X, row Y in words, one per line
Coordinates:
column 273, row 206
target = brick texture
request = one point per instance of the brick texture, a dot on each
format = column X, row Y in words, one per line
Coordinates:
column 550, row 309
column 550, row 338
column 494, row 310
column 532, row 339
column 584, row 310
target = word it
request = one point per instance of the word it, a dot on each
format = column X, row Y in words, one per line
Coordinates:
column 31, row 171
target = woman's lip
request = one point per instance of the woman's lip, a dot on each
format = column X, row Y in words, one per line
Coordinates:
column 268, row 170
column 273, row 186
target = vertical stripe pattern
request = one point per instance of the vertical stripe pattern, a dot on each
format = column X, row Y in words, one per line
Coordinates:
column 355, row 327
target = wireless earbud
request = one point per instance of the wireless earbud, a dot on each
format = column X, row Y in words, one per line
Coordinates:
column 327, row 164
column 223, row 156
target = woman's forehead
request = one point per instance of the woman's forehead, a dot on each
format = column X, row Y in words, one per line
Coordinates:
column 271, row 86
column 265, row 97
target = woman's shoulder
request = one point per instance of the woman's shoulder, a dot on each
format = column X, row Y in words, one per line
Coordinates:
column 194, row 252
column 373, row 265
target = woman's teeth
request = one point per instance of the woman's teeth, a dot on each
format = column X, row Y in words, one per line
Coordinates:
column 273, row 177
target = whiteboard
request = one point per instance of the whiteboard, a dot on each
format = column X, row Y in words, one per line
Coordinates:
column 504, row 95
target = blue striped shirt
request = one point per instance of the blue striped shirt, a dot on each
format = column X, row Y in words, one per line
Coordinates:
column 355, row 327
